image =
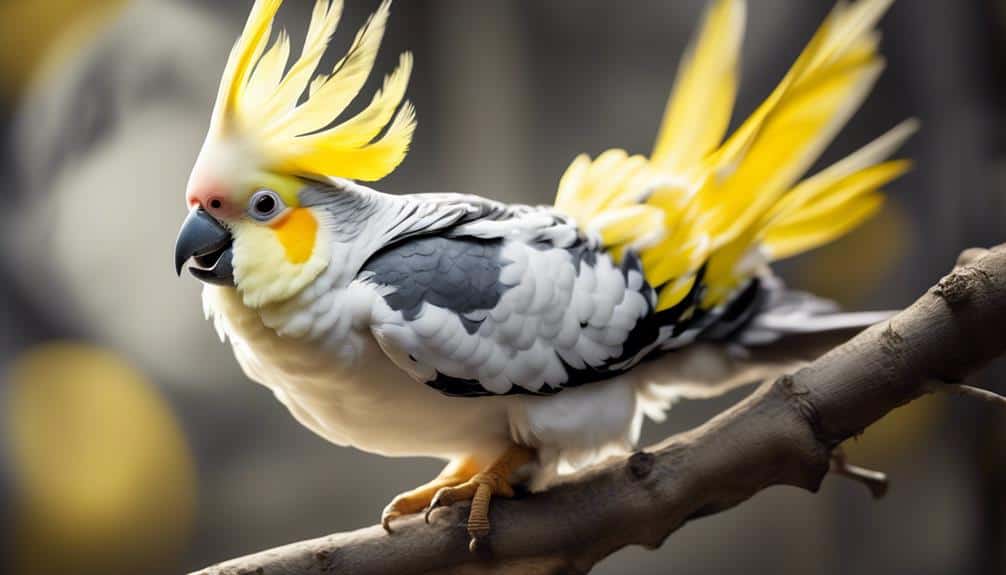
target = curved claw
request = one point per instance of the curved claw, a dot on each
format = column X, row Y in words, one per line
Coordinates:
column 387, row 517
column 433, row 506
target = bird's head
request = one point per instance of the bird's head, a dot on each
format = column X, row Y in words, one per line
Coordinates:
column 256, row 193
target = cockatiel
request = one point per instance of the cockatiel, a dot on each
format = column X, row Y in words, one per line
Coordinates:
column 519, row 342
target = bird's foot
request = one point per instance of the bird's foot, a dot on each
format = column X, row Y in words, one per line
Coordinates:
column 414, row 501
column 480, row 489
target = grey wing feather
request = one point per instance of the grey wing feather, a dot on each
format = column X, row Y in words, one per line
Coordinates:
column 788, row 313
column 461, row 275
column 531, row 306
column 766, row 330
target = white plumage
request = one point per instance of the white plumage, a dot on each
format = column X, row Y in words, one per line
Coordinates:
column 357, row 371
column 457, row 327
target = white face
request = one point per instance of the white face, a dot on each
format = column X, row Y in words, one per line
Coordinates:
column 249, row 229
column 223, row 178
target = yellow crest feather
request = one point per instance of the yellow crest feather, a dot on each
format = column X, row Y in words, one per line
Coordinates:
column 263, row 103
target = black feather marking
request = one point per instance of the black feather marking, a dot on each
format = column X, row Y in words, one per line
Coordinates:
column 457, row 387
column 738, row 313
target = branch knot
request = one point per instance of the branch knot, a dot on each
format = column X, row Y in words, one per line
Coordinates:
column 641, row 463
column 798, row 395
column 957, row 287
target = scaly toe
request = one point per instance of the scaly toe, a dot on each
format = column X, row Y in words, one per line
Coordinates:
column 480, row 489
column 478, row 528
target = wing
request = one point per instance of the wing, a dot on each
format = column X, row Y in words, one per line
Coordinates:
column 518, row 304
column 520, row 301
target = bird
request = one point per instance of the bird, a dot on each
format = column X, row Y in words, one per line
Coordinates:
column 520, row 343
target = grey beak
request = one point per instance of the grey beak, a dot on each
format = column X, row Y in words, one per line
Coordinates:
column 207, row 242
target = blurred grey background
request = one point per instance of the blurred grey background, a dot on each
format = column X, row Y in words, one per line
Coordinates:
column 131, row 441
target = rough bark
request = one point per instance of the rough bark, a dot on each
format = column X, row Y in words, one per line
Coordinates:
column 785, row 433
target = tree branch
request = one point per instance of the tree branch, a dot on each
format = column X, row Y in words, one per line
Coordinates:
column 785, row 433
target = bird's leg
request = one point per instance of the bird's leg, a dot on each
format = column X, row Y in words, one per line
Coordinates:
column 457, row 472
column 494, row 480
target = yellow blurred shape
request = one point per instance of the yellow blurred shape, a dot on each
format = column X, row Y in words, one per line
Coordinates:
column 887, row 440
column 104, row 481
column 849, row 269
column 30, row 28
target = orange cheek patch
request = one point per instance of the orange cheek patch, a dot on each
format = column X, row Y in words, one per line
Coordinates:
column 297, row 232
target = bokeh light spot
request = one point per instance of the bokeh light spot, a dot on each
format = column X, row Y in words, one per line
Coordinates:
column 102, row 472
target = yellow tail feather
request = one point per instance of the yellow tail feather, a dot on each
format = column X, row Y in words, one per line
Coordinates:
column 698, row 112
column 727, row 207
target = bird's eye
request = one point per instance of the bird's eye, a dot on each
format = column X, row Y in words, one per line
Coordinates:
column 264, row 205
